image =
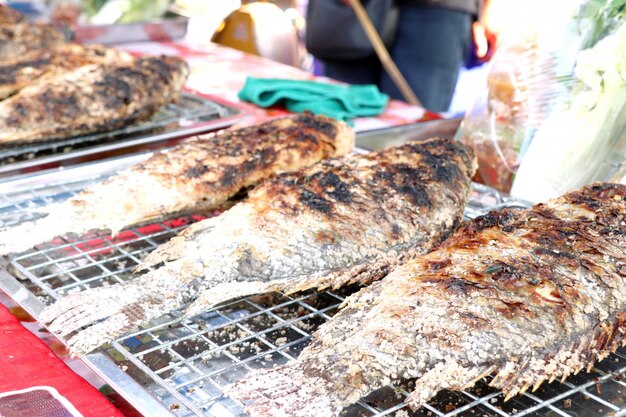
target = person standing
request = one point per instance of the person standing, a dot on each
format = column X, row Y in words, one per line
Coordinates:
column 433, row 41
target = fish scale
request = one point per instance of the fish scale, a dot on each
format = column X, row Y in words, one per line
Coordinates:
column 512, row 293
column 292, row 233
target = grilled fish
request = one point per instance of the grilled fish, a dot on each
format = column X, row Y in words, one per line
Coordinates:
column 23, row 71
column 16, row 39
column 9, row 15
column 530, row 295
column 198, row 175
column 91, row 99
column 337, row 222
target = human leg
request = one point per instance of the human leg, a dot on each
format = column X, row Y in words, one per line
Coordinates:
column 431, row 46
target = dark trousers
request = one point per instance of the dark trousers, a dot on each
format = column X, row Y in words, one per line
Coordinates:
column 430, row 47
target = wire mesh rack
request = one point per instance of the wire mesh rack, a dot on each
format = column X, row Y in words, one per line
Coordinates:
column 187, row 364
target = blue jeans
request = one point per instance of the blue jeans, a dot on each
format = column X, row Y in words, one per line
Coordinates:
column 431, row 46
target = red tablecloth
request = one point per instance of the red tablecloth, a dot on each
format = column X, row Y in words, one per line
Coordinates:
column 46, row 385
column 221, row 71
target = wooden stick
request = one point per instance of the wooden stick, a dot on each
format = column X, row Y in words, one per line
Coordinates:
column 383, row 55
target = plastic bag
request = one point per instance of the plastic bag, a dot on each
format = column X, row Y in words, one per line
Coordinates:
column 553, row 116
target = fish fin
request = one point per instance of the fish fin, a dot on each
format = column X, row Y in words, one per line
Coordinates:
column 362, row 274
column 570, row 358
column 177, row 247
column 210, row 297
column 448, row 374
column 121, row 307
column 284, row 391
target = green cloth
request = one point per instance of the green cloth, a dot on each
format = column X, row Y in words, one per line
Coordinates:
column 342, row 102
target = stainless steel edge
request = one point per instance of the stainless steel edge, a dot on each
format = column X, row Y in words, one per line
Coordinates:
column 134, row 393
column 20, row 294
column 398, row 135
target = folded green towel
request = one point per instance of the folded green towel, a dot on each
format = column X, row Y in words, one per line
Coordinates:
column 342, row 102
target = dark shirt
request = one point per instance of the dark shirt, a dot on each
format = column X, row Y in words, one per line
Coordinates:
column 470, row 6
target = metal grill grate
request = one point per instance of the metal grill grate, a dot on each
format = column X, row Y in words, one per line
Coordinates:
column 187, row 364
column 175, row 118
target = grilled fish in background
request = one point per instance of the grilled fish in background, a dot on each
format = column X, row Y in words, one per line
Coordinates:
column 198, row 175
column 9, row 15
column 23, row 71
column 17, row 39
column 530, row 295
column 340, row 221
column 89, row 99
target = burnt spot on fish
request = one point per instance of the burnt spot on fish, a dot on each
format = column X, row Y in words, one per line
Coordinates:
column 335, row 188
column 405, row 180
column 196, row 171
column 115, row 88
column 308, row 120
column 316, row 202
column 554, row 253
column 396, row 231
column 9, row 72
column 230, row 176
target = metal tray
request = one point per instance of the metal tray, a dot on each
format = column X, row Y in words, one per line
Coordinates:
column 180, row 368
column 191, row 115
column 397, row 135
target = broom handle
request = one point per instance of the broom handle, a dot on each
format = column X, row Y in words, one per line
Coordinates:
column 382, row 53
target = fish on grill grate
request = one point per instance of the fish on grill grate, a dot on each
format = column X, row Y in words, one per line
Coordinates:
column 530, row 295
column 20, row 72
column 195, row 176
column 17, row 39
column 338, row 222
column 93, row 98
column 9, row 15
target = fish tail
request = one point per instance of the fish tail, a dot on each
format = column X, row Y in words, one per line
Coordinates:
column 285, row 391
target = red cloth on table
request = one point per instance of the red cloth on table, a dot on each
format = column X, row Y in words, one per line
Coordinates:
column 25, row 361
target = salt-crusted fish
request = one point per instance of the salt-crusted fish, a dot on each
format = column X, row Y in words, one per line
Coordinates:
column 529, row 295
column 92, row 98
column 25, row 70
column 21, row 37
column 340, row 221
column 195, row 176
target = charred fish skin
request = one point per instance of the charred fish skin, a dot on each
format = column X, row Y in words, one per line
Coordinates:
column 337, row 222
column 195, row 176
column 92, row 98
column 529, row 295
column 27, row 69
column 21, row 37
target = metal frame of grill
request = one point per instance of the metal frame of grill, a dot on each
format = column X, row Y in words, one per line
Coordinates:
column 180, row 368
column 191, row 114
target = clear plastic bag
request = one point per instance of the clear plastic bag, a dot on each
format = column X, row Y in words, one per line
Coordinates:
column 553, row 116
